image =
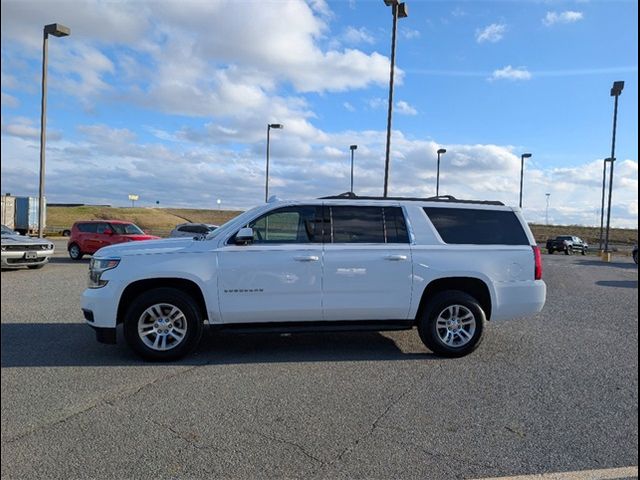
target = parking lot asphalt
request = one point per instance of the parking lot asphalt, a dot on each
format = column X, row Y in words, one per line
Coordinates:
column 556, row 392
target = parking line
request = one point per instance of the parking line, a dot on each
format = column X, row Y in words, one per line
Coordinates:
column 604, row 474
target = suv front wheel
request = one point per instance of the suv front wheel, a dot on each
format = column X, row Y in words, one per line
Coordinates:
column 452, row 324
column 163, row 324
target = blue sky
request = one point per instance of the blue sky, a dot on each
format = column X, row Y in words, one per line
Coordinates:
column 170, row 100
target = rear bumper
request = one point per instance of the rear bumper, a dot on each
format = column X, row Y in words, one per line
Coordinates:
column 521, row 299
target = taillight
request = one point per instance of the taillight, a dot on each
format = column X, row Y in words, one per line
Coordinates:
column 537, row 257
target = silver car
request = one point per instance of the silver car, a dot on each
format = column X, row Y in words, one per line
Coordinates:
column 192, row 229
column 20, row 251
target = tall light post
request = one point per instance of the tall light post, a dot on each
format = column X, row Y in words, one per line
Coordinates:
column 399, row 10
column 266, row 188
column 218, row 202
column 522, row 157
column 441, row 151
column 353, row 148
column 57, row 30
column 604, row 188
column 616, row 90
column 547, row 211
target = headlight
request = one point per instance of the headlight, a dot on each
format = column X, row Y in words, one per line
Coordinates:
column 97, row 267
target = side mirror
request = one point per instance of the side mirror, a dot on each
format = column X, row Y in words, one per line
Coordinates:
column 244, row 236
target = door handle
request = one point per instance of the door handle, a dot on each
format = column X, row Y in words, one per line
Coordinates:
column 307, row 258
column 395, row 258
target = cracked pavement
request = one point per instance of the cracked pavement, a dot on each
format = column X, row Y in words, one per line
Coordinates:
column 557, row 392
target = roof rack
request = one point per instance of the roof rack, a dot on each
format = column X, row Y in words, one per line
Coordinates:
column 441, row 198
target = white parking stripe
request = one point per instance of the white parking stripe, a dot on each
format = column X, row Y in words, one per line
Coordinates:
column 605, row 474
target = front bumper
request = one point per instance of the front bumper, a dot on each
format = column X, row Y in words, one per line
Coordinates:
column 17, row 258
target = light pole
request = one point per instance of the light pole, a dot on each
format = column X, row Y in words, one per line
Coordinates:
column 399, row 10
column 218, row 202
column 547, row 212
column 616, row 90
column 522, row 157
column 604, row 188
column 353, row 148
column 266, row 188
column 441, row 151
column 57, row 30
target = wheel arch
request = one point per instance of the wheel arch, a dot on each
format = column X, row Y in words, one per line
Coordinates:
column 475, row 287
column 136, row 288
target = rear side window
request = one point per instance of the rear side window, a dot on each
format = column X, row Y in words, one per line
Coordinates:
column 368, row 225
column 88, row 227
column 477, row 227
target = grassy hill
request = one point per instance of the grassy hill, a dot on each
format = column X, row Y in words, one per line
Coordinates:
column 161, row 221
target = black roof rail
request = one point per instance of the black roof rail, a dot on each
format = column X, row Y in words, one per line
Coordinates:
column 441, row 198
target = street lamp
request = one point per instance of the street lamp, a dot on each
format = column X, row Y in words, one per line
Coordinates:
column 57, row 30
column 547, row 213
column 399, row 10
column 440, row 152
column 218, row 202
column 352, row 148
column 604, row 179
column 522, row 157
column 269, row 127
column 616, row 90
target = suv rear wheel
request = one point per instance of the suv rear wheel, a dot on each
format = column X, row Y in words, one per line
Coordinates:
column 163, row 324
column 452, row 324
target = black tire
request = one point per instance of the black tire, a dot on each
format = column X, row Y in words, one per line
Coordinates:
column 66, row 233
column 568, row 251
column 74, row 252
column 635, row 257
column 436, row 307
column 36, row 267
column 550, row 251
column 584, row 251
column 191, row 321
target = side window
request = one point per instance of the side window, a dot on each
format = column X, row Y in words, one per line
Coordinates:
column 200, row 229
column 395, row 225
column 88, row 227
column 101, row 227
column 357, row 224
column 288, row 225
column 477, row 227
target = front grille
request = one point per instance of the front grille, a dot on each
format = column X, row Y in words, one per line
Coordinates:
column 25, row 248
column 25, row 260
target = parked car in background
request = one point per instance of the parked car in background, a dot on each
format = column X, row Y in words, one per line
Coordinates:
column 567, row 244
column 20, row 251
column 634, row 253
column 87, row 237
column 192, row 229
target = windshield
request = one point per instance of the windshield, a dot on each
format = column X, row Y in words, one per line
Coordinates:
column 126, row 229
column 235, row 222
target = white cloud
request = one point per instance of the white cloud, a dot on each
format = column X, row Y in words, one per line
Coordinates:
column 349, row 106
column 511, row 73
column 355, row 36
column 492, row 33
column 9, row 100
column 404, row 108
column 377, row 102
column 410, row 33
column 569, row 16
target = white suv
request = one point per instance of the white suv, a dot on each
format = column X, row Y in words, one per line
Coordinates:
column 442, row 265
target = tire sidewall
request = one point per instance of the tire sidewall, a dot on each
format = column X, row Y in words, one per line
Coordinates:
column 79, row 255
column 169, row 296
column 427, row 323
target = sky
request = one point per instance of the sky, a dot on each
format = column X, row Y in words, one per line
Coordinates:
column 170, row 100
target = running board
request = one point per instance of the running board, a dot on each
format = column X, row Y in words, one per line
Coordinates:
column 308, row 327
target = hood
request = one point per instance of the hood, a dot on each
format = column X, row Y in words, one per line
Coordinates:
column 23, row 240
column 144, row 247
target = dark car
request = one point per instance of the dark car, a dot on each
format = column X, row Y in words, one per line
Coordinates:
column 634, row 253
column 567, row 244
column 90, row 236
